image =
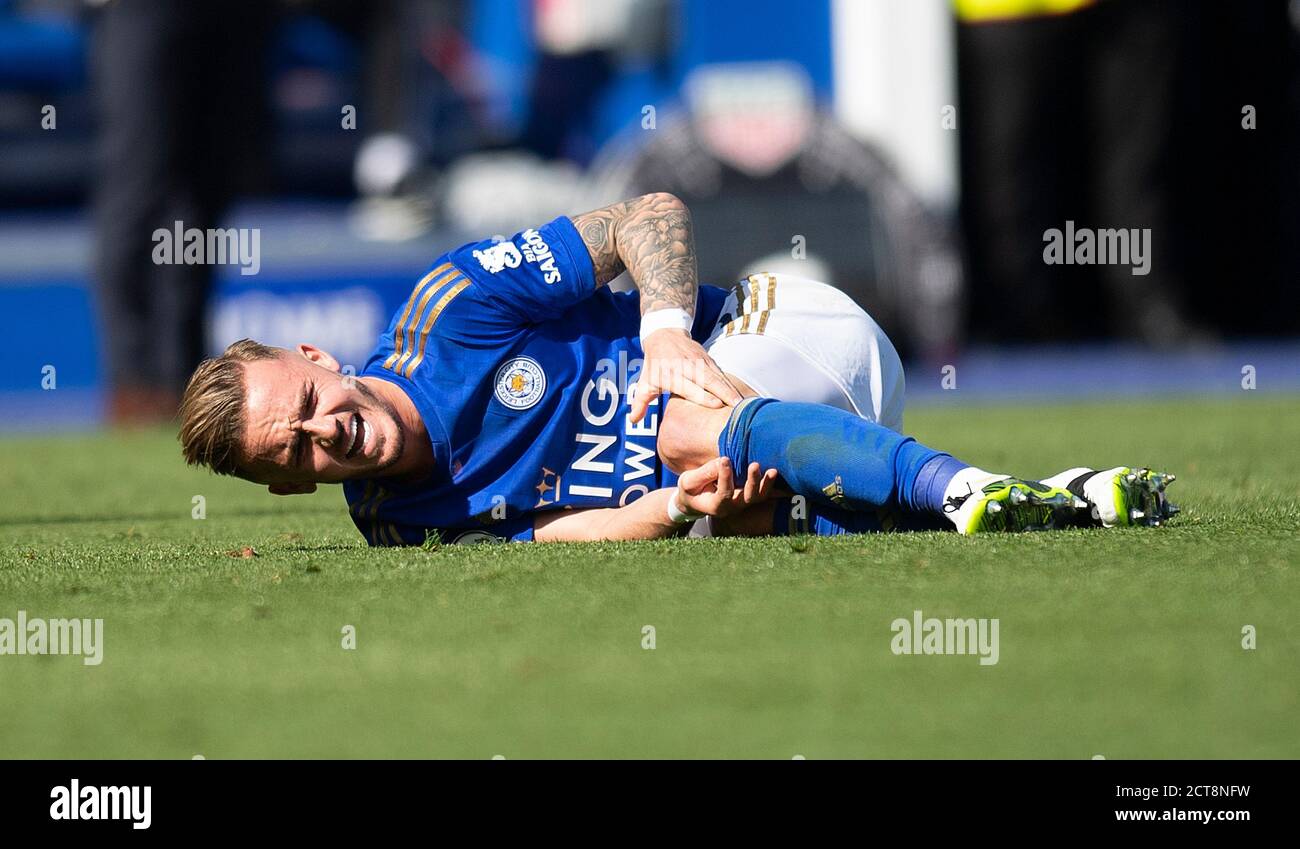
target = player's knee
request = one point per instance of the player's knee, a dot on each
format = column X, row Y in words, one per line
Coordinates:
column 671, row 442
column 688, row 434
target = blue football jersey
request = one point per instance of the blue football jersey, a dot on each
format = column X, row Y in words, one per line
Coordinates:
column 520, row 368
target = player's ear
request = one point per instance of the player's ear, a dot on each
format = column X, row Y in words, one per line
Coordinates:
column 291, row 488
column 317, row 356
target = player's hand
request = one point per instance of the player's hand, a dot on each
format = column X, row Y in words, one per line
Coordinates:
column 711, row 488
column 676, row 363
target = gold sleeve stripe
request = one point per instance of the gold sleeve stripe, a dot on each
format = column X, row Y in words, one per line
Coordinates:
column 380, row 499
column 406, row 314
column 368, row 508
column 400, row 330
column 394, row 535
column 753, row 305
column 771, row 304
column 412, row 333
column 428, row 325
column 748, row 305
column 402, row 353
column 425, row 299
column 356, row 509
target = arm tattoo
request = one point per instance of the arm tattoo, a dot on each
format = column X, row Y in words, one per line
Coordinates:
column 598, row 232
column 651, row 238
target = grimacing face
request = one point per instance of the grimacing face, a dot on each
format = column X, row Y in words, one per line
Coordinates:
column 305, row 423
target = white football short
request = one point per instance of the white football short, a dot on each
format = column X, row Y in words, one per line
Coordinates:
column 796, row 339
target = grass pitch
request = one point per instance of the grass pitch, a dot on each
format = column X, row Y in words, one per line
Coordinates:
column 1123, row 643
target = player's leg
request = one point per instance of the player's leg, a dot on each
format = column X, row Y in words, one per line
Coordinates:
column 798, row 340
column 808, row 443
column 838, row 460
column 841, row 461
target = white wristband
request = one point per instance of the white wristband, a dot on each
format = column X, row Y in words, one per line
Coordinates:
column 677, row 319
column 675, row 514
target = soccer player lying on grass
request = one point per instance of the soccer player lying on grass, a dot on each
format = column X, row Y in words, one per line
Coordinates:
column 500, row 404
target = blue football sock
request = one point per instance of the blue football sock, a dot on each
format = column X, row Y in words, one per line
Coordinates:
column 932, row 482
column 836, row 459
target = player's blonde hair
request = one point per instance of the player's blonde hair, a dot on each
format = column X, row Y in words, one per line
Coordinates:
column 212, row 408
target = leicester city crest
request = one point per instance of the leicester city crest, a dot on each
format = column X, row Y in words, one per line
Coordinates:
column 520, row 383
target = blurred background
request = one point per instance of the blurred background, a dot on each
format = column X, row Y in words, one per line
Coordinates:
column 912, row 152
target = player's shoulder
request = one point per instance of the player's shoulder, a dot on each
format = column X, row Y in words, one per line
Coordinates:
column 482, row 284
column 420, row 317
column 479, row 296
